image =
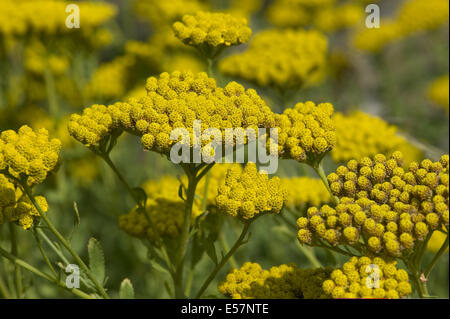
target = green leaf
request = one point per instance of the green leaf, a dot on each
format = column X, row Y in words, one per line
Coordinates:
column 96, row 260
column 141, row 195
column 77, row 215
column 126, row 289
column 157, row 266
column 211, row 250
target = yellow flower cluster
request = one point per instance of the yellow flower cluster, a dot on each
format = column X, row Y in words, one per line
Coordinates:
column 360, row 134
column 109, row 79
column 365, row 277
column 388, row 208
column 280, row 282
column 305, row 192
column 212, row 29
column 18, row 18
column 411, row 17
column 339, row 17
column 38, row 59
column 295, row 13
column 28, row 154
column 439, row 91
column 306, row 132
column 15, row 206
column 173, row 101
column 280, row 58
column 166, row 215
column 248, row 193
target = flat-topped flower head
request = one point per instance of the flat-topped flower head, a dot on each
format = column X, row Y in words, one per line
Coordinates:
column 367, row 277
column 212, row 29
column 385, row 207
column 175, row 101
column 247, row 193
column 280, row 58
column 28, row 155
column 360, row 134
column 306, row 132
column 15, row 206
column 286, row 281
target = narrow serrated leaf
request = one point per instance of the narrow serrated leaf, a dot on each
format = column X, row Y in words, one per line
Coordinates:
column 96, row 260
column 126, row 289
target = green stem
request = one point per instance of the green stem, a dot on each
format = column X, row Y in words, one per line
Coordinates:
column 37, row 272
column 17, row 271
column 318, row 168
column 64, row 242
column 165, row 255
column 4, row 290
column 239, row 242
column 184, row 237
column 226, row 247
column 44, row 255
column 436, row 257
column 190, row 279
column 209, row 63
column 51, row 93
column 309, row 254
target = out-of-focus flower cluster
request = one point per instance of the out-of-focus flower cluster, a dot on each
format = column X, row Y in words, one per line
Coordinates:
column 365, row 277
column 280, row 58
column 305, row 192
column 15, row 206
column 305, row 132
column 28, row 154
column 411, row 17
column 280, row 282
column 173, row 101
column 383, row 208
column 360, row 134
column 248, row 193
column 164, row 207
column 439, row 91
column 325, row 15
column 18, row 18
column 162, row 13
column 212, row 29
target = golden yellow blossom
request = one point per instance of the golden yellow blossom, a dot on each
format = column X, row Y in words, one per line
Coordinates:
column 280, row 58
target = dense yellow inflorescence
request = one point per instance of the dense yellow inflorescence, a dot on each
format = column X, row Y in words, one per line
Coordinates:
column 306, row 132
column 387, row 208
column 18, row 18
column 15, row 206
column 212, row 29
column 365, row 277
column 339, row 17
column 280, row 58
column 439, row 91
column 173, row 101
column 411, row 17
column 28, row 155
column 248, row 193
column 305, row 192
column 280, row 282
column 360, row 134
